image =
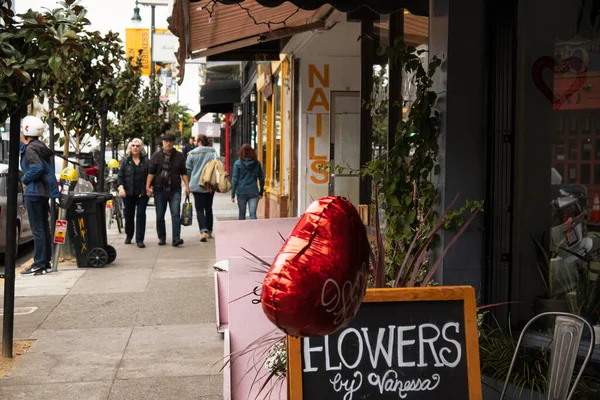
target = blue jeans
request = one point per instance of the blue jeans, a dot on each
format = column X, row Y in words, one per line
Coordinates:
column 38, row 210
column 135, row 221
column 174, row 202
column 247, row 199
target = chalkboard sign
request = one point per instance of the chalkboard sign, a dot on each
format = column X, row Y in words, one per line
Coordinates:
column 413, row 343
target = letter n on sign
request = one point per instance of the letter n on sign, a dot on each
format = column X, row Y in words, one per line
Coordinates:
column 418, row 343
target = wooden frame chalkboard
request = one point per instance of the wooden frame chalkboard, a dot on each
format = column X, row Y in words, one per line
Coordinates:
column 455, row 297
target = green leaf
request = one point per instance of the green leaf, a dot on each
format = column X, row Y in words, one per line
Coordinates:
column 54, row 63
column 393, row 201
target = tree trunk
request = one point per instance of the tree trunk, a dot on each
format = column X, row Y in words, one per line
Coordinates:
column 66, row 151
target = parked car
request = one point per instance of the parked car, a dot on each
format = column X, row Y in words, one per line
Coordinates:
column 23, row 232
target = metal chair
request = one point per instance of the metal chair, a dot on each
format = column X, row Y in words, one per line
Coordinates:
column 568, row 330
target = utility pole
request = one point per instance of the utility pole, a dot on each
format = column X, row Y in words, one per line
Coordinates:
column 11, row 238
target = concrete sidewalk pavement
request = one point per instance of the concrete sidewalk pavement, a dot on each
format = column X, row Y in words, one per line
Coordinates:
column 140, row 328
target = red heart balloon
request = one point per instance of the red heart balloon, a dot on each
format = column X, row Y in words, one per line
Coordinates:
column 319, row 277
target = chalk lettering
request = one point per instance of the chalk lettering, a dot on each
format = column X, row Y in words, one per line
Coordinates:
column 389, row 382
column 402, row 343
column 456, row 327
column 328, row 365
column 431, row 342
column 387, row 354
column 307, row 350
column 350, row 386
column 341, row 346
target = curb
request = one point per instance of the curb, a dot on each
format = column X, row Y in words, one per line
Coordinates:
column 18, row 270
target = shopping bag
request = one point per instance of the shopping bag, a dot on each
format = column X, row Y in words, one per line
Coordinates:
column 187, row 212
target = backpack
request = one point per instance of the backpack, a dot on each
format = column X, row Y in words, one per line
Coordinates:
column 214, row 178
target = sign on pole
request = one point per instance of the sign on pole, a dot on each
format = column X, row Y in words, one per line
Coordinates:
column 60, row 233
column 139, row 39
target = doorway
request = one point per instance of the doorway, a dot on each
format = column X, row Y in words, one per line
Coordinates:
column 345, row 145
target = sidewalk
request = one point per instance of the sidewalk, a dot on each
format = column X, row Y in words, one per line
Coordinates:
column 140, row 328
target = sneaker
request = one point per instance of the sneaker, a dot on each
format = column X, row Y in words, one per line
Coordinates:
column 177, row 242
column 162, row 242
column 209, row 234
column 33, row 270
column 203, row 236
column 128, row 241
column 141, row 245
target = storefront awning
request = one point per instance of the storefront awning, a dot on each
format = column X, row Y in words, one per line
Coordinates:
column 417, row 7
column 231, row 27
column 220, row 96
column 206, row 29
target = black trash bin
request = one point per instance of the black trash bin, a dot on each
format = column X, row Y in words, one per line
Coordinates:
column 86, row 216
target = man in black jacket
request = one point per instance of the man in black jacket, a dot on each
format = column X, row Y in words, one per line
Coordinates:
column 166, row 172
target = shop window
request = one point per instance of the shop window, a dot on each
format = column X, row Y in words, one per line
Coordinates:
column 586, row 149
column 584, row 178
column 264, row 127
column 572, row 176
column 277, row 84
column 560, row 151
column 572, row 149
column 597, row 174
column 572, row 124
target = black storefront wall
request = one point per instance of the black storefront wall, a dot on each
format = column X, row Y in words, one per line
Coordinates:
column 462, row 90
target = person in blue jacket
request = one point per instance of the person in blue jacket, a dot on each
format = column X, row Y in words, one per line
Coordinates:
column 248, row 182
column 39, row 185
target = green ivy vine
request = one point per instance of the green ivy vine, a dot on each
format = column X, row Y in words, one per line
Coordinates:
column 403, row 178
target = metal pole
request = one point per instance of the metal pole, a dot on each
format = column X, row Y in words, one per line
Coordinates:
column 51, row 145
column 152, row 31
column 11, row 239
column 367, row 60
column 152, row 66
column 102, row 147
column 395, row 100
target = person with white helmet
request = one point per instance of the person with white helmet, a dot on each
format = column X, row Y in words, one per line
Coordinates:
column 40, row 185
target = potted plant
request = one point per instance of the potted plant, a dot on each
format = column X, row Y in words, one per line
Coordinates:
column 551, row 270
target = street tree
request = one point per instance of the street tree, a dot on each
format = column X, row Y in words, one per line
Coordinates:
column 32, row 49
column 86, row 86
column 180, row 114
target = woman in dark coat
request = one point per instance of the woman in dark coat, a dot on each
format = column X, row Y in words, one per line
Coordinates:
column 248, row 182
column 133, row 173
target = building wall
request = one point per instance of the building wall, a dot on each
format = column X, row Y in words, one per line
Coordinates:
column 462, row 87
column 329, row 61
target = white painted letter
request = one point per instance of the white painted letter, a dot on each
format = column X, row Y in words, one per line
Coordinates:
column 402, row 343
column 454, row 342
column 328, row 366
column 307, row 351
column 430, row 341
column 379, row 346
column 360, row 348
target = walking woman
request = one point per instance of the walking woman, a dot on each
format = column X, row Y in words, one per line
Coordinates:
column 203, row 198
column 248, row 182
column 133, row 173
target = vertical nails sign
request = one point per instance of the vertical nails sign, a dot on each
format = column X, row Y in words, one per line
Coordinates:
column 139, row 39
column 317, row 110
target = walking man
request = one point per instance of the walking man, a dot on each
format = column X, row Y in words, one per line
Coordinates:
column 39, row 185
column 165, row 173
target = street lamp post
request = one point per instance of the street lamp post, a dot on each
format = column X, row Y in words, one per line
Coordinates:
column 137, row 18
